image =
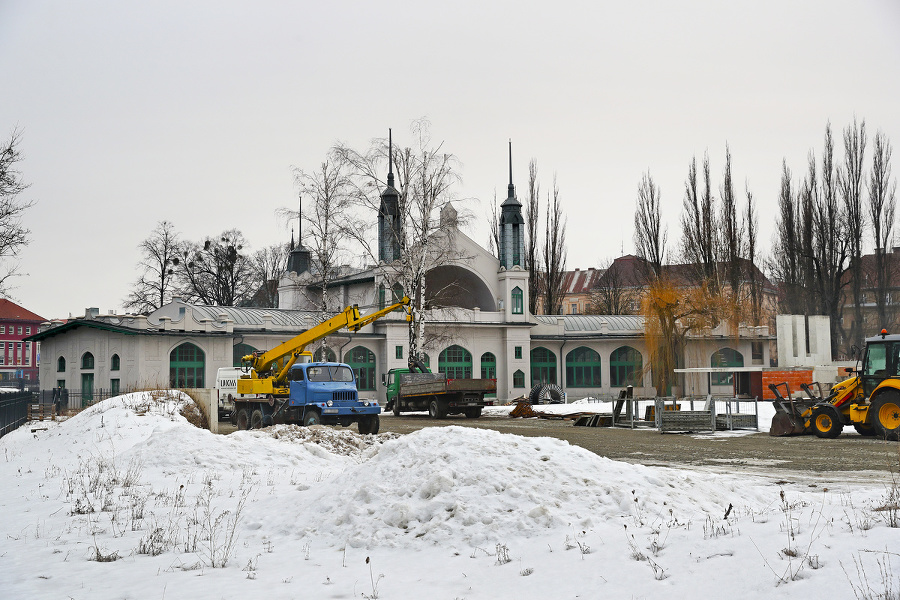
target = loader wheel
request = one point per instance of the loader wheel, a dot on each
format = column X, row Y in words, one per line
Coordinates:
column 243, row 419
column 312, row 418
column 826, row 422
column 863, row 429
column 886, row 409
column 256, row 419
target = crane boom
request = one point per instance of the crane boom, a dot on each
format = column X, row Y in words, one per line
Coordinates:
column 262, row 363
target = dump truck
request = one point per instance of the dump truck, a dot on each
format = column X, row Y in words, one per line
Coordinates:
column 417, row 389
column 283, row 385
column 869, row 399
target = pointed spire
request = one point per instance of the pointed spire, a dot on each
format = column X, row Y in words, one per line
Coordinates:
column 512, row 189
column 292, row 239
column 390, row 180
column 299, row 221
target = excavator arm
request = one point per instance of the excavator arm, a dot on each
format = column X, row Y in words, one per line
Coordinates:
column 349, row 318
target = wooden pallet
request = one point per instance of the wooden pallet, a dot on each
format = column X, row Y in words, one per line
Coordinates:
column 41, row 412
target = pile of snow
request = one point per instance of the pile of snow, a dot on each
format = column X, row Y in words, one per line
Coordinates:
column 129, row 500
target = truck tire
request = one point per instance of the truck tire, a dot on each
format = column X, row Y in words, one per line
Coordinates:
column 312, row 418
column 863, row 429
column 826, row 422
column 243, row 419
column 256, row 419
column 397, row 407
column 886, row 415
column 473, row 412
column 369, row 424
column 435, row 410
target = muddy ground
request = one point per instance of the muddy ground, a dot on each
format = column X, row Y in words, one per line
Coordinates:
column 850, row 456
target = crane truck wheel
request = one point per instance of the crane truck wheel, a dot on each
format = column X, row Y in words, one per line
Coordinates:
column 369, row 424
column 886, row 411
column 826, row 422
column 312, row 418
column 256, row 419
column 243, row 419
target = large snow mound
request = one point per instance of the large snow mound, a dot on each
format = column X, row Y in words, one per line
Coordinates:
column 448, row 483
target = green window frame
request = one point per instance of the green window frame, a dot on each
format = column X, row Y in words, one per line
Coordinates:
column 87, row 388
column 324, row 355
column 543, row 366
column 456, row 362
column 518, row 302
column 113, row 387
column 187, row 366
column 583, row 368
column 518, row 379
column 239, row 351
column 362, row 361
column 398, row 352
column 626, row 366
column 725, row 357
column 87, row 361
column 381, row 296
column 518, row 352
column 489, row 369
column 114, row 362
column 61, row 364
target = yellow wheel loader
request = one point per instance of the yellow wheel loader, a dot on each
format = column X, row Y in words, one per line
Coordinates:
column 869, row 400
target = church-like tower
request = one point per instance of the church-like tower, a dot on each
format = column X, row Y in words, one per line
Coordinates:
column 512, row 226
column 389, row 218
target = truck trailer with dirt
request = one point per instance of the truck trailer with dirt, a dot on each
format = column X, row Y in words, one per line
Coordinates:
column 408, row 390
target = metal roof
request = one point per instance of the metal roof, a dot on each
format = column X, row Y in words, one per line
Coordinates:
column 594, row 323
column 252, row 317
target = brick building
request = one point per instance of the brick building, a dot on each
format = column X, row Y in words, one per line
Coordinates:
column 19, row 359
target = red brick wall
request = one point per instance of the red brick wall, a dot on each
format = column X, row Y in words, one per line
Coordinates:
column 793, row 377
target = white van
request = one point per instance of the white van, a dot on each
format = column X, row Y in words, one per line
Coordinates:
column 226, row 390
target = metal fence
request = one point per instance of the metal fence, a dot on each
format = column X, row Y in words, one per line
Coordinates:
column 13, row 410
column 74, row 399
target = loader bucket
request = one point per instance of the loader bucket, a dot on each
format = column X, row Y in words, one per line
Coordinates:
column 785, row 424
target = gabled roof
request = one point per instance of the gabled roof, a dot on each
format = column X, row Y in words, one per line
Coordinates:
column 11, row 311
column 90, row 323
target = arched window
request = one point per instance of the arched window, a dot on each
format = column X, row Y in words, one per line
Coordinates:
column 324, row 355
column 114, row 363
column 725, row 357
column 362, row 361
column 456, row 362
column 61, row 364
column 518, row 304
column 625, row 367
column 583, row 368
column 518, row 379
column 239, row 351
column 488, row 366
column 543, row 366
column 87, row 361
column 187, row 366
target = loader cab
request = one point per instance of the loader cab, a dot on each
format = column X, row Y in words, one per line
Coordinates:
column 881, row 361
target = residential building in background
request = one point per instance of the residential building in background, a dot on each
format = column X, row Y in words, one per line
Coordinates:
column 19, row 359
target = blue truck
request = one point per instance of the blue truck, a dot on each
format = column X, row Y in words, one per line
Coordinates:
column 283, row 385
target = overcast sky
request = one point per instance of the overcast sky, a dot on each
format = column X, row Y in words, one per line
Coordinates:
column 195, row 112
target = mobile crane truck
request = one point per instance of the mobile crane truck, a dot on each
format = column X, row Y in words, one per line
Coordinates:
column 282, row 385
column 869, row 399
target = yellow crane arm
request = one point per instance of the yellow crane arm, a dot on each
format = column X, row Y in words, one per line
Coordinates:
column 349, row 318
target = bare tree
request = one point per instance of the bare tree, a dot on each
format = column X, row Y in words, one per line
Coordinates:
column 13, row 235
column 732, row 239
column 699, row 244
column 850, row 182
column 426, row 175
column 751, row 226
column 160, row 255
column 882, row 202
column 649, row 234
column 216, row 271
column 267, row 265
column 616, row 292
column 784, row 265
column 532, row 245
column 554, row 255
column 330, row 196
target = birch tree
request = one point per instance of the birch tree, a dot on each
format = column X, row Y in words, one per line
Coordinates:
column 13, row 235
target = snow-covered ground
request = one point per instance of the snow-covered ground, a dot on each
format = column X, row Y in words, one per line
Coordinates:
column 128, row 500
